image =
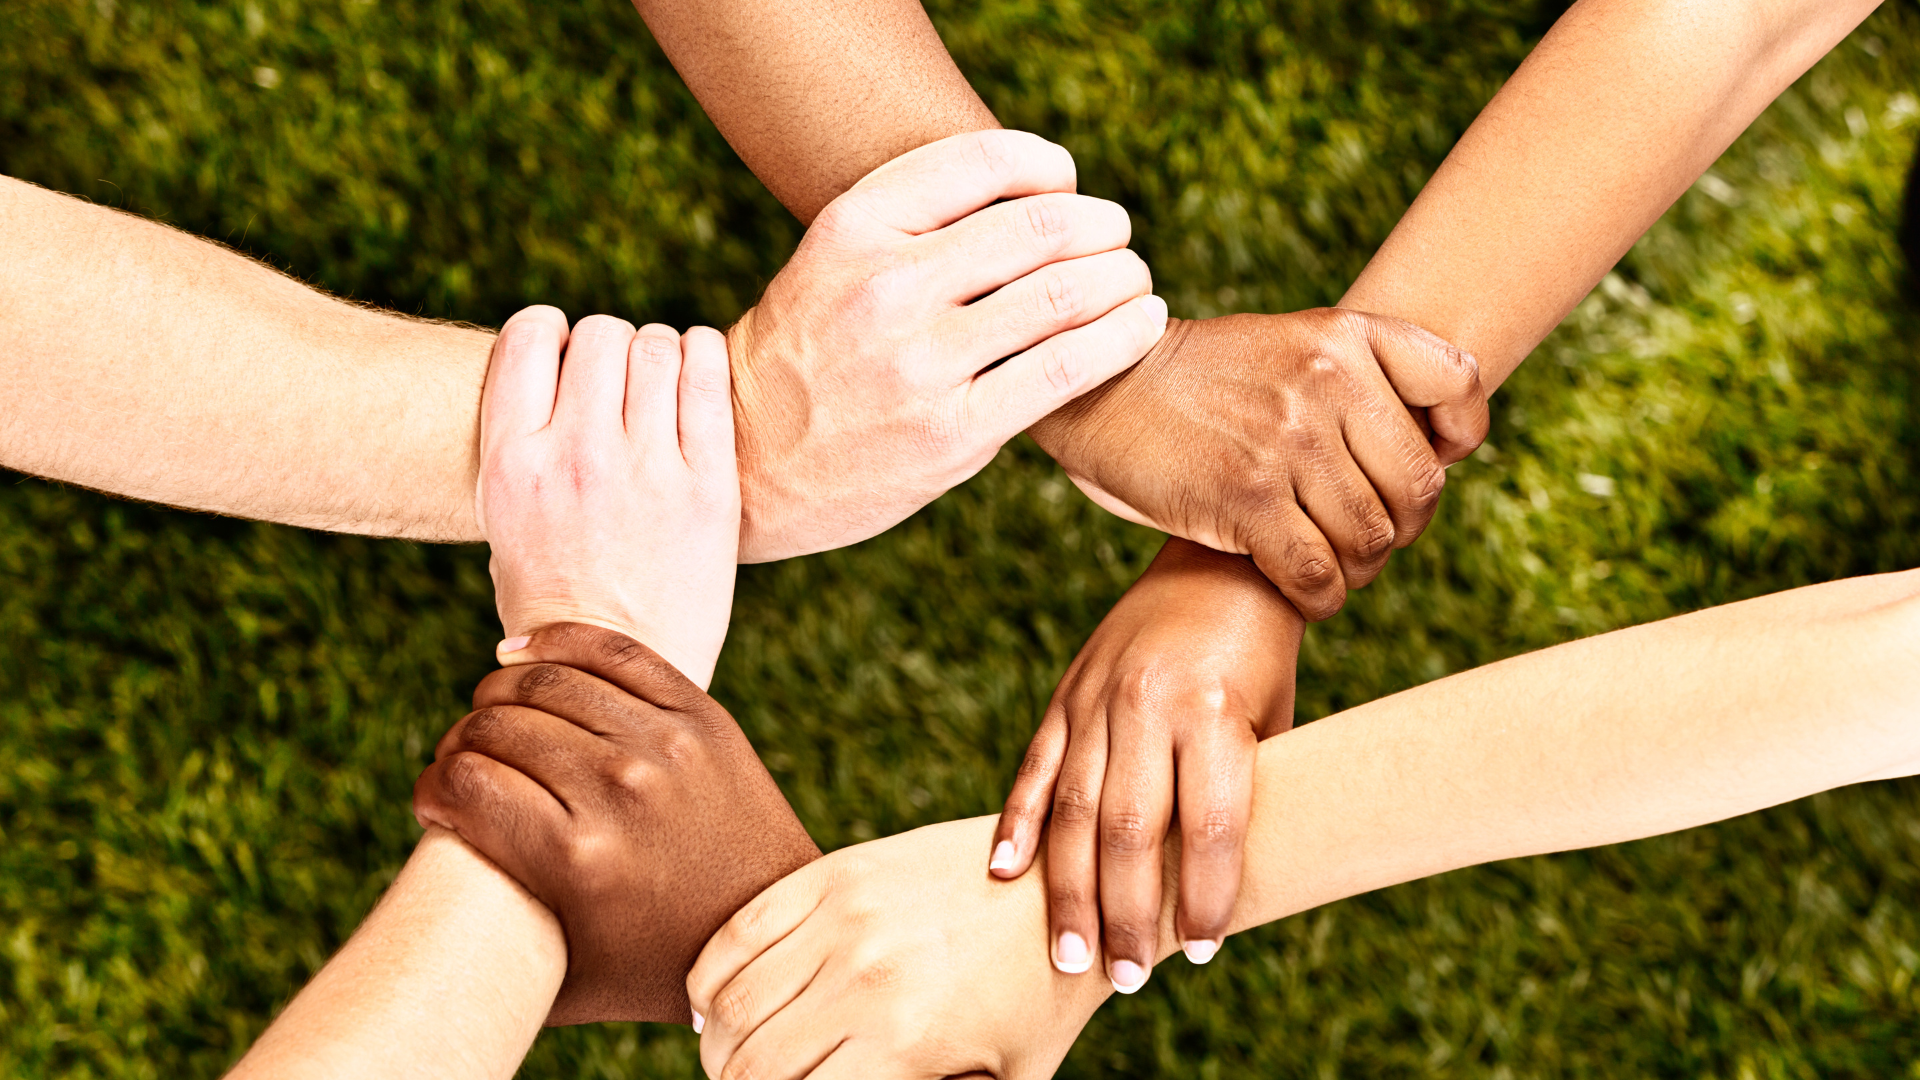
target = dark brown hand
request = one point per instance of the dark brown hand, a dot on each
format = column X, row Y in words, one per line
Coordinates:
column 1317, row 442
column 624, row 798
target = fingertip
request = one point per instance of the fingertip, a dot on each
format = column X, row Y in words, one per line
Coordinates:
column 1004, row 859
column 1156, row 311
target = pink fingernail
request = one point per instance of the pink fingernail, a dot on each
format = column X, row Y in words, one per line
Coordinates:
column 511, row 645
column 1071, row 954
column 1002, row 856
column 1127, row 976
column 1200, row 952
column 699, row 1022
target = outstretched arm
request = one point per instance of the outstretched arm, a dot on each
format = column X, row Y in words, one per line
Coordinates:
column 1630, row 734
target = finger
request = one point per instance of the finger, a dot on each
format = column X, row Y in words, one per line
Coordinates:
column 1073, row 839
column 1016, row 839
column 617, row 658
column 1013, row 396
column 1056, row 298
column 589, row 702
column 593, row 377
column 524, row 374
column 706, row 406
column 983, row 251
column 1343, row 505
column 760, row 991
column 652, row 391
column 792, row 1042
column 1427, row 371
column 1136, row 807
column 755, row 928
column 935, row 185
column 1393, row 450
column 1216, row 801
column 1291, row 551
column 503, row 813
column 554, row 753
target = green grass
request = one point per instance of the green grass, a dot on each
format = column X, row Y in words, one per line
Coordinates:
column 208, row 729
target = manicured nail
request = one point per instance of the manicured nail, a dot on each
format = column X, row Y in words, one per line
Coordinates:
column 699, row 1022
column 1200, row 952
column 1127, row 976
column 1002, row 856
column 1156, row 310
column 1071, row 954
column 511, row 645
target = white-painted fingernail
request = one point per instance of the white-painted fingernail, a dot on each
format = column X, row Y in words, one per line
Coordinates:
column 1071, row 954
column 1200, row 952
column 1156, row 310
column 511, row 645
column 1127, row 976
column 699, row 1022
column 1002, row 856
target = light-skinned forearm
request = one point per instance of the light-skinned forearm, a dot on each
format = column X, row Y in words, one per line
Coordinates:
column 1621, row 107
column 149, row 363
column 451, row 976
column 1631, row 734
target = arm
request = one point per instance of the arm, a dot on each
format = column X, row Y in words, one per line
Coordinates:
column 1631, row 734
column 149, row 363
column 450, row 976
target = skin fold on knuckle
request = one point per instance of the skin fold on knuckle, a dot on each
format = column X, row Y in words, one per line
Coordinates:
column 1127, row 835
column 1074, row 808
column 1059, row 298
column 1047, row 223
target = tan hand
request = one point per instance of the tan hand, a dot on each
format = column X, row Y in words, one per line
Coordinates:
column 1154, row 728
column 896, row 958
column 869, row 379
column 1316, row 442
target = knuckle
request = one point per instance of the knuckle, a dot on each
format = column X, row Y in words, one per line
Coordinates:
column 992, row 153
column 1216, row 831
column 486, row 728
column 1074, row 808
column 1374, row 538
column 1058, row 298
column 464, row 779
column 1064, row 367
column 1126, row 834
column 631, row 775
column 1047, row 221
column 537, row 681
column 655, row 348
column 733, row 1007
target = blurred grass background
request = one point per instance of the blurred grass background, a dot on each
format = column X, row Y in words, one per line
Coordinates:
column 209, row 728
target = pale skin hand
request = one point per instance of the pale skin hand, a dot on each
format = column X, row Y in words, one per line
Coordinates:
column 608, row 488
column 148, row 363
column 900, row 958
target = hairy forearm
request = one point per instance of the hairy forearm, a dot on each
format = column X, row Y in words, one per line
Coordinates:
column 451, row 976
column 1621, row 107
column 149, row 363
column 813, row 96
column 1613, row 738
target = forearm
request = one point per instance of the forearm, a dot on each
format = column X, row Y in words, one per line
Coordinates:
column 450, row 976
column 813, row 96
column 1621, row 107
column 149, row 363
column 1627, row 735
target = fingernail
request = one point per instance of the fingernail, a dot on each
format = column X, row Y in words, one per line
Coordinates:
column 1002, row 856
column 1200, row 952
column 1156, row 310
column 1071, row 954
column 1127, row 976
column 511, row 645
column 699, row 1022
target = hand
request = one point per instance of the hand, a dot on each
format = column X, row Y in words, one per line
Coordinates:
column 894, row 958
column 865, row 381
column 1300, row 439
column 607, row 484
column 623, row 798
column 1159, row 713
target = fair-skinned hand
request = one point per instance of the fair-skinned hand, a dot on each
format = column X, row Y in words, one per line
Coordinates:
column 625, row 800
column 865, row 380
column 1316, row 442
column 895, row 958
column 607, row 484
column 1154, row 725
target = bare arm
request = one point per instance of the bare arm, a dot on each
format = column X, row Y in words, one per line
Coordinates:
column 1626, row 735
column 1621, row 107
column 451, row 976
column 150, row 363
